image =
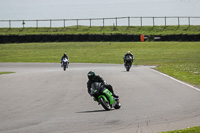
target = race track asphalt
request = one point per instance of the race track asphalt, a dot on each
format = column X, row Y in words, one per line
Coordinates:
column 42, row 98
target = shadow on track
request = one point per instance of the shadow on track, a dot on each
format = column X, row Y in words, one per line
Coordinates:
column 94, row 111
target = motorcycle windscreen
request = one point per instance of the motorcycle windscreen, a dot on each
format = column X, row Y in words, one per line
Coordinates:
column 129, row 58
column 65, row 60
column 95, row 89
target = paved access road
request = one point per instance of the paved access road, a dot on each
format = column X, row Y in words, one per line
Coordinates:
column 42, row 98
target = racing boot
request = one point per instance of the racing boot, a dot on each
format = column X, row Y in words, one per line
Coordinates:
column 114, row 95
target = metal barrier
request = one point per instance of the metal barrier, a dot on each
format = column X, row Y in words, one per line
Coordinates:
column 117, row 21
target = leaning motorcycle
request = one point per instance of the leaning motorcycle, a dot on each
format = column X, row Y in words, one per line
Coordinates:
column 104, row 97
column 65, row 63
column 128, row 62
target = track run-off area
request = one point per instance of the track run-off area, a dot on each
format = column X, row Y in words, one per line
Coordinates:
column 42, row 98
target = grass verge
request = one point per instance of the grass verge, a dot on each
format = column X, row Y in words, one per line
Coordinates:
column 187, row 130
column 178, row 59
column 5, row 73
column 146, row 30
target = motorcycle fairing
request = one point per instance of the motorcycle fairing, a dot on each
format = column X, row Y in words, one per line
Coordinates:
column 109, row 95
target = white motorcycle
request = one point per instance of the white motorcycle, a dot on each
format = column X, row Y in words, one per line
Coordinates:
column 65, row 63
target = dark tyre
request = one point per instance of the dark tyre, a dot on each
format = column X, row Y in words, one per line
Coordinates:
column 127, row 69
column 128, row 66
column 105, row 104
column 64, row 67
column 117, row 106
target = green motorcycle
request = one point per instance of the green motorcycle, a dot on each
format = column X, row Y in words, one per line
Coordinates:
column 104, row 97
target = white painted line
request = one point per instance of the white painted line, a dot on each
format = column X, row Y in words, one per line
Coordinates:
column 176, row 80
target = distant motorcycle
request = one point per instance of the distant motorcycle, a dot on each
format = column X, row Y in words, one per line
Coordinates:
column 104, row 97
column 128, row 62
column 65, row 63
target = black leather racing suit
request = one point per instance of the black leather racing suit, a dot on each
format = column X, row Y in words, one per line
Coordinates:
column 99, row 79
column 128, row 55
column 64, row 57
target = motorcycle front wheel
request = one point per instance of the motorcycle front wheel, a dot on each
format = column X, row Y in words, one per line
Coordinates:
column 105, row 104
column 64, row 67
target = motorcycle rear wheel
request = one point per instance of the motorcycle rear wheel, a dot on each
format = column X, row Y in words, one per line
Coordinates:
column 118, row 105
column 127, row 68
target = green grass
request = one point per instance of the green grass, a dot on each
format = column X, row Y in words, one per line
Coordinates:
column 187, row 130
column 146, row 30
column 178, row 59
column 5, row 73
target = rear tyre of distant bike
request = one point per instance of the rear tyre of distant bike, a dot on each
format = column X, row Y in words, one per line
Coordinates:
column 127, row 69
column 128, row 66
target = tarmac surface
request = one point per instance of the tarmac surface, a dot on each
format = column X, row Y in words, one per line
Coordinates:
column 42, row 98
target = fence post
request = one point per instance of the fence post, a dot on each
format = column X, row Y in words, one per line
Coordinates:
column 36, row 24
column 77, row 23
column 64, row 22
column 153, row 22
column 188, row 21
column 90, row 23
column 128, row 21
column 141, row 21
column 165, row 21
column 178, row 22
column 50, row 23
column 103, row 22
column 23, row 23
column 9, row 24
column 116, row 21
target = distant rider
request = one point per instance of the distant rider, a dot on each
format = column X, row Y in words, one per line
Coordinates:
column 128, row 54
column 92, row 77
column 64, row 56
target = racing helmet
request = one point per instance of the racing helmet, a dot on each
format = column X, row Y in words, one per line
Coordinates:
column 65, row 55
column 91, row 75
column 128, row 52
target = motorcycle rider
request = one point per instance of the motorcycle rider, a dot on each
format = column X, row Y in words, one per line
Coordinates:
column 128, row 54
column 96, row 78
column 64, row 56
